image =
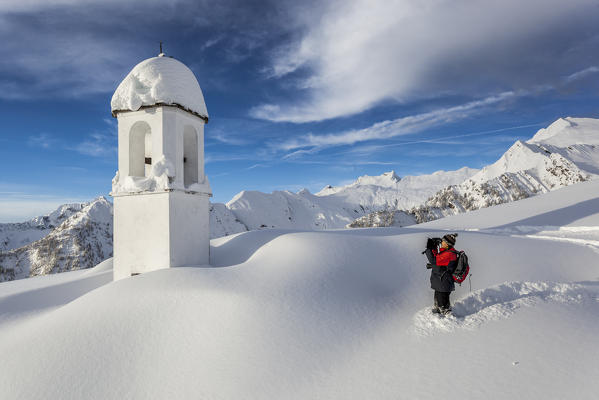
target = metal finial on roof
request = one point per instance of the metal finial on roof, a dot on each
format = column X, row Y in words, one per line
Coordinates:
column 161, row 52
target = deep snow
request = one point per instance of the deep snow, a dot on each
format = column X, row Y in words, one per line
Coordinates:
column 333, row 314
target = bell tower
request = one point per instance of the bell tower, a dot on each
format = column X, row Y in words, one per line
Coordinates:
column 161, row 194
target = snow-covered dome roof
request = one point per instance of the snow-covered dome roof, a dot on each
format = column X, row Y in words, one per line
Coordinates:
column 159, row 81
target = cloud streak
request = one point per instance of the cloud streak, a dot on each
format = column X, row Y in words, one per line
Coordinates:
column 392, row 128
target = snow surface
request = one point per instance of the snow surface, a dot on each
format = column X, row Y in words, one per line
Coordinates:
column 159, row 80
column 330, row 314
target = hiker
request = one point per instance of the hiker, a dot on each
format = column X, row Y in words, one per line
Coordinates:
column 442, row 262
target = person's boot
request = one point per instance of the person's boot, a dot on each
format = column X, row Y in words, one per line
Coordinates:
column 436, row 309
column 445, row 310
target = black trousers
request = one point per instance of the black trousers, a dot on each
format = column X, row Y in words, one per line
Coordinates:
column 442, row 299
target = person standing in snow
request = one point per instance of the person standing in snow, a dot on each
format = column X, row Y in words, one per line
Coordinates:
column 442, row 262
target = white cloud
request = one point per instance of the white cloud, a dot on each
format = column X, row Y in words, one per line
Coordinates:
column 43, row 140
column 391, row 128
column 359, row 53
column 581, row 74
column 97, row 145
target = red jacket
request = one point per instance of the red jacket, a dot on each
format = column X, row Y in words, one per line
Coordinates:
column 444, row 256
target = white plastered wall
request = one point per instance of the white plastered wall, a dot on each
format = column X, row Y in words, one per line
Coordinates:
column 189, row 229
column 141, row 233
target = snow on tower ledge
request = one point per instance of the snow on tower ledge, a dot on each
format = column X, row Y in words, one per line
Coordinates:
column 159, row 81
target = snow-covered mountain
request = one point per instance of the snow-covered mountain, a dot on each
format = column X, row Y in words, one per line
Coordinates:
column 562, row 154
column 223, row 222
column 77, row 236
column 335, row 207
column 14, row 235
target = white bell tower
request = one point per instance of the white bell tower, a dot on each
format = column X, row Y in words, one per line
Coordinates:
column 161, row 207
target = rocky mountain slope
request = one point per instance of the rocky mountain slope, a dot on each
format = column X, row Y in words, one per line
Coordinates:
column 14, row 235
column 565, row 153
column 82, row 239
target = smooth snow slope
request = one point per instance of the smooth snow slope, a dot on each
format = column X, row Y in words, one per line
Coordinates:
column 335, row 314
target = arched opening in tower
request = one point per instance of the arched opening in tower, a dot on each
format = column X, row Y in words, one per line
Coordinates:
column 140, row 149
column 190, row 156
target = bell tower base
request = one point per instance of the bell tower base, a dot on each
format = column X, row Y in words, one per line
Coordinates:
column 156, row 230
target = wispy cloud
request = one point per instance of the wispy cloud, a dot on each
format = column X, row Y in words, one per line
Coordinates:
column 211, row 42
column 392, row 128
column 254, row 166
column 228, row 139
column 43, row 140
column 581, row 74
column 97, row 145
column 102, row 143
column 213, row 158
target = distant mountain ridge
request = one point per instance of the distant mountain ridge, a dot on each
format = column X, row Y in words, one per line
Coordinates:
column 336, row 207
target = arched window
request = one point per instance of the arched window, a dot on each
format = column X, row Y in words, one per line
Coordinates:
column 140, row 149
column 190, row 156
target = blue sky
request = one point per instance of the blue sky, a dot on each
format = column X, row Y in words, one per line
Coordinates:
column 299, row 94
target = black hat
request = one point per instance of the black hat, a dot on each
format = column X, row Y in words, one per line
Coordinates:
column 450, row 238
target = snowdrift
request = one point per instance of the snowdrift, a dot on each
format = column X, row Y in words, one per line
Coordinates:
column 333, row 314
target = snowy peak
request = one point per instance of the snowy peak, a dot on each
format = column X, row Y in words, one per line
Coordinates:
column 521, row 156
column 57, row 216
column 570, row 145
column 96, row 211
column 568, row 132
column 387, row 179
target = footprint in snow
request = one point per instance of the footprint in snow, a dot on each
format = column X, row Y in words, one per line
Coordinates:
column 498, row 302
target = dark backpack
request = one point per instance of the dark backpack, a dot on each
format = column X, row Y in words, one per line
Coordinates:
column 462, row 268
